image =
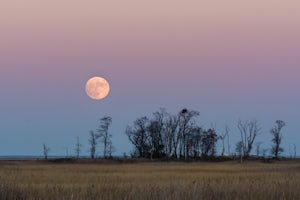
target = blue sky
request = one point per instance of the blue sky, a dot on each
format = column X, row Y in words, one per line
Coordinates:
column 232, row 60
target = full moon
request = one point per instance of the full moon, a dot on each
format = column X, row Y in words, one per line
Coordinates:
column 97, row 88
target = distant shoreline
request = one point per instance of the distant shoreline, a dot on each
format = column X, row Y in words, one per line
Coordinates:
column 71, row 160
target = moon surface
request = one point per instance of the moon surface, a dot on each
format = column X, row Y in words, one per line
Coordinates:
column 97, row 88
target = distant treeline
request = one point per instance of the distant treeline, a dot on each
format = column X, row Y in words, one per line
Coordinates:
column 178, row 136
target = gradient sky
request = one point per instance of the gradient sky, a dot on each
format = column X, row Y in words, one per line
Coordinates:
column 228, row 59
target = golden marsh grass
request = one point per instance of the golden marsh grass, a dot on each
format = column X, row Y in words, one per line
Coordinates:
column 162, row 180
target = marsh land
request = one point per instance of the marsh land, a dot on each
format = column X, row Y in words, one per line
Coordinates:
column 31, row 179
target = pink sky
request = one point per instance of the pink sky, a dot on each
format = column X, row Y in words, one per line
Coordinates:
column 215, row 56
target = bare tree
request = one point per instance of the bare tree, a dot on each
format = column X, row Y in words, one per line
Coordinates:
column 138, row 136
column 45, row 151
column 93, row 143
column 195, row 142
column 208, row 142
column 186, row 126
column 295, row 151
column 157, row 133
column 171, row 127
column 239, row 149
column 277, row 137
column 78, row 148
column 104, row 135
column 111, row 149
column 249, row 131
column 222, row 138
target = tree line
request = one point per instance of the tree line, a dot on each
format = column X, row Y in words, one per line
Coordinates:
column 178, row 136
column 166, row 135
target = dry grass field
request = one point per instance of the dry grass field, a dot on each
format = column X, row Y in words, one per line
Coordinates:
column 159, row 180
